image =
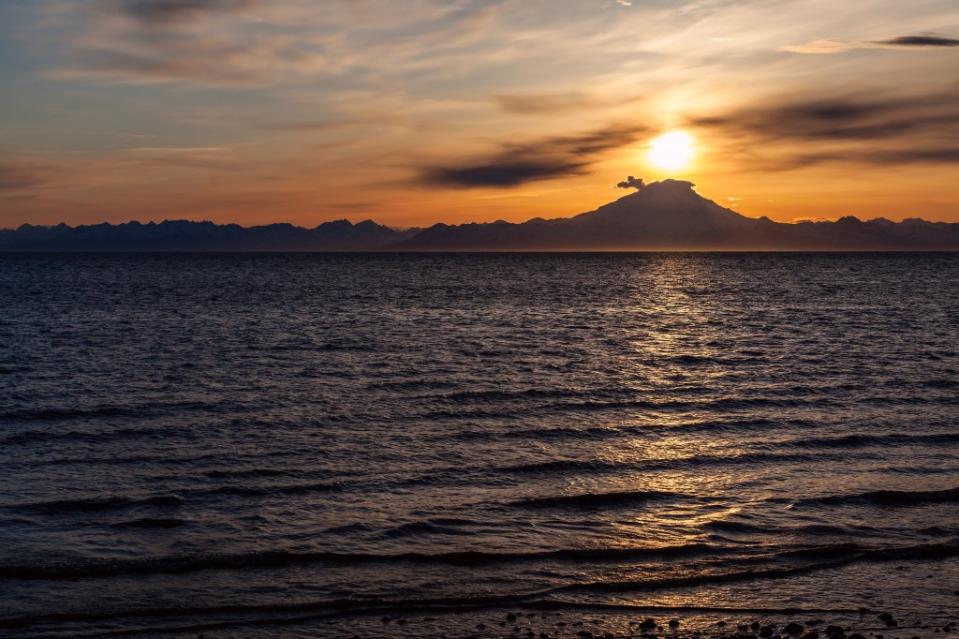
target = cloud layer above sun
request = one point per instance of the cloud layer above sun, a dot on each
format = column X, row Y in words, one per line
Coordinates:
column 446, row 110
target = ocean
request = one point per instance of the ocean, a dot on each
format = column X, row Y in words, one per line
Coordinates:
column 313, row 445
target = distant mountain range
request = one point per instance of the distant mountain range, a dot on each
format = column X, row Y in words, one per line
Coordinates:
column 666, row 215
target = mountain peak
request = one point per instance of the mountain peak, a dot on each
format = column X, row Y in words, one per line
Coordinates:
column 668, row 199
column 671, row 184
column 665, row 215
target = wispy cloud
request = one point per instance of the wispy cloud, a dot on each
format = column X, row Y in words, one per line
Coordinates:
column 316, row 101
column 15, row 177
column 910, row 41
column 548, row 158
column 858, row 128
column 922, row 41
column 256, row 43
column 311, row 126
column 166, row 12
column 847, row 117
column 548, row 103
column 211, row 158
column 213, row 42
column 535, row 104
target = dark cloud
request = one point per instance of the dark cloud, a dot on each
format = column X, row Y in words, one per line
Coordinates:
column 212, row 158
column 310, row 126
column 864, row 129
column 545, row 159
column 867, row 156
column 156, row 44
column 945, row 154
column 502, row 171
column 189, row 59
column 14, row 177
column 927, row 40
column 150, row 41
column 632, row 183
column 847, row 118
column 544, row 103
column 165, row 12
column 919, row 41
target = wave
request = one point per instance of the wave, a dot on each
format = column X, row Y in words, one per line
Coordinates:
column 215, row 618
column 606, row 432
column 152, row 522
column 910, row 400
column 249, row 473
column 279, row 612
column 835, row 556
column 740, row 527
column 62, row 414
column 566, row 466
column 94, row 412
column 863, row 440
column 601, row 466
column 887, row 498
column 119, row 502
column 588, row 501
column 162, row 458
column 530, row 393
column 727, row 404
column 597, row 432
column 429, row 527
column 89, row 569
column 940, row 383
column 726, row 526
column 721, row 403
column 411, row 384
column 74, row 436
column 330, row 346
column 96, row 504
column 259, row 491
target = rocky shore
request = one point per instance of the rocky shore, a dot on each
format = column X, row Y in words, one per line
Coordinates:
column 609, row 623
column 557, row 625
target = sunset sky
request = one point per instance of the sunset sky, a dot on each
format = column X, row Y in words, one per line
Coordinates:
column 417, row 111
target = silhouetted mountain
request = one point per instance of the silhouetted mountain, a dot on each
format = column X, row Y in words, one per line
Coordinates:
column 667, row 215
column 670, row 215
column 182, row 235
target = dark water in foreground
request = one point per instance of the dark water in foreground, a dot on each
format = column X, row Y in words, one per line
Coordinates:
column 247, row 440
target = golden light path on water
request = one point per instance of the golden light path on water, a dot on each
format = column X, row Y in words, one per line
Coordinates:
column 695, row 431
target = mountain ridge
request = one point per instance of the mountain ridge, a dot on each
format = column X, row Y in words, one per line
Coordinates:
column 665, row 215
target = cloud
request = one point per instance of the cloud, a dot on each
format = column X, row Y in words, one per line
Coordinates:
column 209, row 158
column 872, row 156
column 535, row 104
column 210, row 62
column 867, row 129
column 16, row 177
column 632, row 183
column 167, row 12
column 545, row 159
column 309, row 126
column 852, row 117
column 822, row 47
column 211, row 42
column 919, row 41
column 251, row 43
column 899, row 42
column 546, row 103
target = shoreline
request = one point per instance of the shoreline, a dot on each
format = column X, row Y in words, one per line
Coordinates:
column 570, row 620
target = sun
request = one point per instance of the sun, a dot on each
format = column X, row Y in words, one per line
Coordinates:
column 672, row 151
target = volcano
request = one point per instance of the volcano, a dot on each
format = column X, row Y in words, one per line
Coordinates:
column 669, row 215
